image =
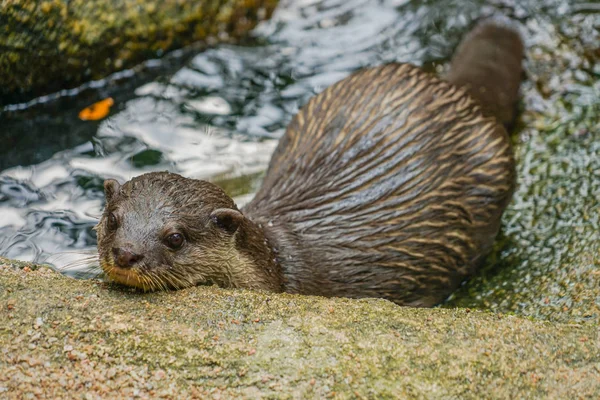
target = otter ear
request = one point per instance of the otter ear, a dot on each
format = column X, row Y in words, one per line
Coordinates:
column 227, row 219
column 111, row 187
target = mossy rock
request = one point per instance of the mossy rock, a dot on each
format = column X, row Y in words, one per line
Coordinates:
column 61, row 336
column 547, row 259
column 57, row 44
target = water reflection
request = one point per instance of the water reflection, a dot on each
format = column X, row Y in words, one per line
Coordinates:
column 218, row 117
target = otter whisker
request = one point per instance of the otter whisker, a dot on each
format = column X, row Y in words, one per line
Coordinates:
column 182, row 280
column 390, row 183
column 87, row 257
column 83, row 268
column 78, row 263
column 173, row 281
column 165, row 284
column 145, row 282
column 168, row 279
column 153, row 283
column 159, row 282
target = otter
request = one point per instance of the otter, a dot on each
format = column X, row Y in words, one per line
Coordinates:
column 391, row 183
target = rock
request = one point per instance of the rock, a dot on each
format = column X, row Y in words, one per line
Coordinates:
column 212, row 343
column 53, row 45
column 547, row 259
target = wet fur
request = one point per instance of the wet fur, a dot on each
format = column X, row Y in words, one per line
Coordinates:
column 488, row 64
column 391, row 183
column 150, row 205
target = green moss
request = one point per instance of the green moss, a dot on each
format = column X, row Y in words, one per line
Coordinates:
column 146, row 158
column 110, row 341
column 239, row 185
column 547, row 260
column 58, row 44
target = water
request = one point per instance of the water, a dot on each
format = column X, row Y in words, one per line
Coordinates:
column 218, row 115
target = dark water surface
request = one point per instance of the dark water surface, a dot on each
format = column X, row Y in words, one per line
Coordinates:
column 217, row 116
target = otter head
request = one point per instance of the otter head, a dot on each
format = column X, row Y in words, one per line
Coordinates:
column 161, row 230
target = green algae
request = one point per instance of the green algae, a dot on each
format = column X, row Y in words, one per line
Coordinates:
column 547, row 260
column 104, row 340
column 239, row 185
column 58, row 44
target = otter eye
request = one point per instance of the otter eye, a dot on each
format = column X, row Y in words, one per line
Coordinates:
column 112, row 222
column 174, row 240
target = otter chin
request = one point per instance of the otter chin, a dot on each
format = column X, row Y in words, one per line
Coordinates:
column 391, row 183
column 130, row 277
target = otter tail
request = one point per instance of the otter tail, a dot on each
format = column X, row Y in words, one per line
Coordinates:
column 488, row 64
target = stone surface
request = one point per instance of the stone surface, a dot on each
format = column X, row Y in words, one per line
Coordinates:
column 547, row 259
column 57, row 44
column 60, row 336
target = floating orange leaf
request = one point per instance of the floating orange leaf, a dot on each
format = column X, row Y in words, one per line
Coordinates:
column 97, row 110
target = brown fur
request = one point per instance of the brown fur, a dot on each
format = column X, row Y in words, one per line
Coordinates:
column 150, row 207
column 391, row 183
column 488, row 64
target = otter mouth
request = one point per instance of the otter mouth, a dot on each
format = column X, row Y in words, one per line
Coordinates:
column 132, row 277
column 141, row 278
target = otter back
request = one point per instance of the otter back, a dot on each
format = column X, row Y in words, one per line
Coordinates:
column 390, row 183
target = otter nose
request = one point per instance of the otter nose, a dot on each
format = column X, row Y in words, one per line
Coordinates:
column 125, row 258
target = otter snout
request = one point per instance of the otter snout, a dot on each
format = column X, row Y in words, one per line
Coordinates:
column 125, row 258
